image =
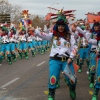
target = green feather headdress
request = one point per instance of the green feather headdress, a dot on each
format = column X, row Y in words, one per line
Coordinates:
column 61, row 16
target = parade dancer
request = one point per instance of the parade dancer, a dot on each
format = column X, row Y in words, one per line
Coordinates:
column 23, row 43
column 5, row 44
column 92, row 59
column 76, row 36
column 39, row 45
column 44, row 45
column 97, row 82
column 34, row 43
column 12, row 40
column 17, row 43
column 62, row 53
column 29, row 40
column 83, row 47
column 95, row 42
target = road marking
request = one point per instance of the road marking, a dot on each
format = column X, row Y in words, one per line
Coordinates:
column 12, row 81
column 41, row 63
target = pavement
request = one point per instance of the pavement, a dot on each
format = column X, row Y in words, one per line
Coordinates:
column 27, row 79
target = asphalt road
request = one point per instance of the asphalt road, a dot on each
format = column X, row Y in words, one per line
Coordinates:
column 28, row 79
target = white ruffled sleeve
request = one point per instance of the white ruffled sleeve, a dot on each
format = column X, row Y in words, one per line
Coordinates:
column 43, row 35
column 74, row 47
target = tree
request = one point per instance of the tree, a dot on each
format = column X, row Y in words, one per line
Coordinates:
column 38, row 21
column 13, row 10
column 15, row 14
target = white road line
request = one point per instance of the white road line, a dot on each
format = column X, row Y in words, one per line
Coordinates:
column 41, row 63
column 12, row 81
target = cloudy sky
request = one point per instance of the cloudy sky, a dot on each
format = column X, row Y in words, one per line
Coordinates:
column 40, row 6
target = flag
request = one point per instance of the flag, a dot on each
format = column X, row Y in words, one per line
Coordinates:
column 92, row 17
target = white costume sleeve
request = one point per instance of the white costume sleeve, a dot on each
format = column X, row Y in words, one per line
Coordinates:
column 80, row 31
column 90, row 41
column 16, row 36
column 43, row 35
column 76, row 33
column 74, row 47
column 88, row 35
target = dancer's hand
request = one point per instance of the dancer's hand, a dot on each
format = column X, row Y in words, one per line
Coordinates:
column 69, row 60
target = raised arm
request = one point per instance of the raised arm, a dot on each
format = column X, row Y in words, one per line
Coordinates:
column 43, row 35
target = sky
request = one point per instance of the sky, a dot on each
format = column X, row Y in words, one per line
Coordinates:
column 39, row 7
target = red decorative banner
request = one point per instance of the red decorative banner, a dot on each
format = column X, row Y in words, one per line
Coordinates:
column 48, row 16
column 92, row 17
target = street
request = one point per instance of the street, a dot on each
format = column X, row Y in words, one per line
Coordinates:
column 28, row 79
